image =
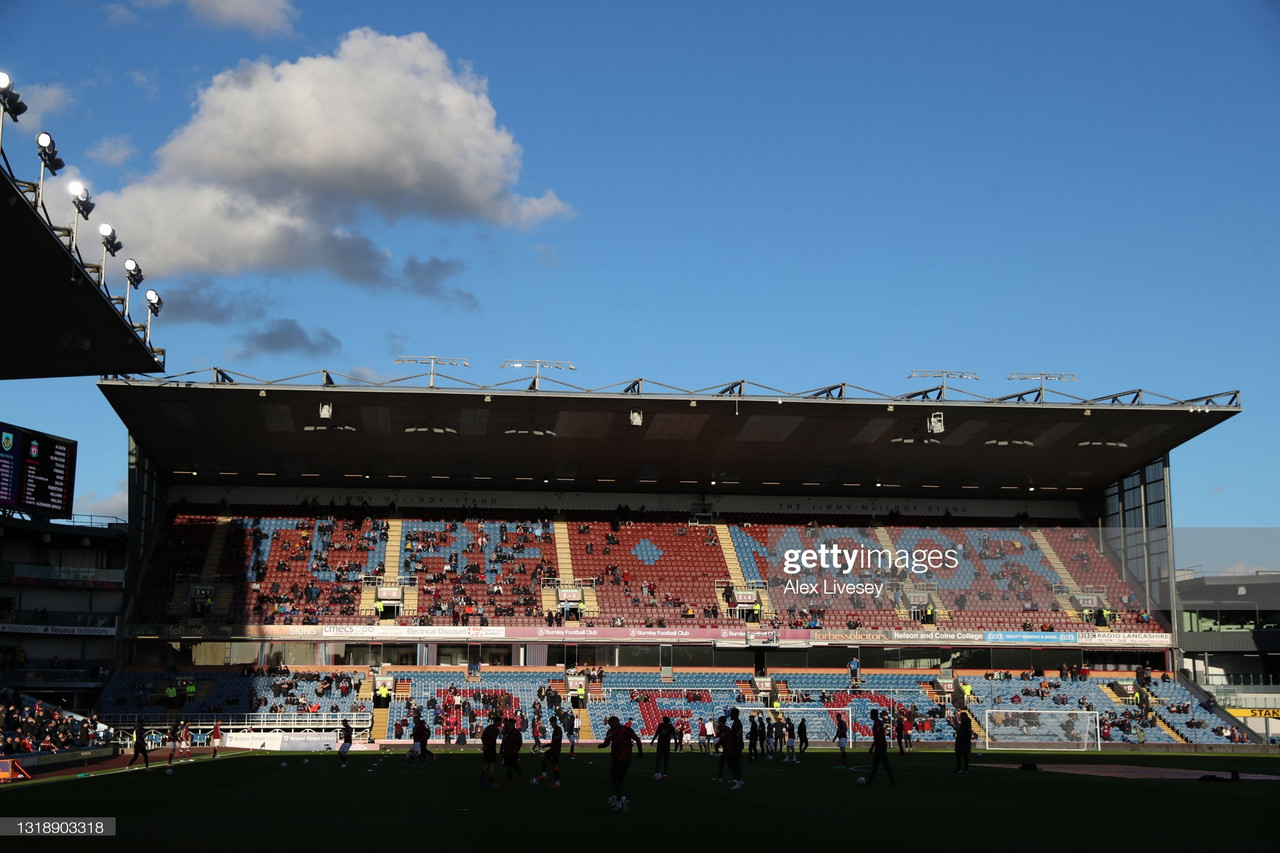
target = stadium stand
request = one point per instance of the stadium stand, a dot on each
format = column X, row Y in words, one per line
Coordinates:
column 651, row 572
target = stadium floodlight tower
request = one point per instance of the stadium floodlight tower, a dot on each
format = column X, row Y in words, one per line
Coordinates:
column 110, row 245
column 154, row 304
column 11, row 104
column 133, row 276
column 944, row 375
column 47, row 150
column 1041, row 377
column 538, row 366
column 83, row 204
column 432, row 360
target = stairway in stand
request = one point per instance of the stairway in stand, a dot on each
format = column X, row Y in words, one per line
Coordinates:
column 1073, row 588
column 564, row 557
column 735, row 571
column 940, row 612
column 585, row 731
column 381, row 718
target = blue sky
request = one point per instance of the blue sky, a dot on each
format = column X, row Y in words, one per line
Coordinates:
column 691, row 193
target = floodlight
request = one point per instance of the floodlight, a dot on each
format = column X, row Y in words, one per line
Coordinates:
column 48, row 151
column 80, row 198
column 110, row 241
column 133, row 272
column 154, row 302
column 10, row 101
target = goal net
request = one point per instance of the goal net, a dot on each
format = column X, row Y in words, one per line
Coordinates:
column 1040, row 729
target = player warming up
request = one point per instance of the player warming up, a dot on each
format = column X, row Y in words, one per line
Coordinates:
column 512, row 741
column 964, row 741
column 879, row 745
column 552, row 754
column 731, row 744
column 345, row 746
column 140, row 745
column 842, row 739
column 489, row 751
column 173, row 739
column 620, row 739
column 419, row 745
column 663, row 735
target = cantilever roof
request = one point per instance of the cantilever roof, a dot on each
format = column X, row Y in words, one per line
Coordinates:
column 58, row 321
column 640, row 436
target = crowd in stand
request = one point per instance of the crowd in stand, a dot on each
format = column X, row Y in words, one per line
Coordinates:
column 307, row 692
column 42, row 728
column 450, row 593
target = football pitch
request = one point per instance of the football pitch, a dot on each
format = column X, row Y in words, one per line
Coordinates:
column 307, row 798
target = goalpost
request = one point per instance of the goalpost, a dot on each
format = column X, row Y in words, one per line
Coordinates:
column 1040, row 729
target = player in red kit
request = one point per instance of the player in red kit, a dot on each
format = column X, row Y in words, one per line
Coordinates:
column 663, row 735
column 489, row 748
column 620, row 739
column 512, row 741
column 552, row 754
column 879, row 745
column 842, row 739
column 215, row 737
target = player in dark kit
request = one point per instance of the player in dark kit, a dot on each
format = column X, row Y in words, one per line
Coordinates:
column 512, row 741
column 731, row 744
column 879, row 745
column 345, row 746
column 964, row 741
column 140, row 745
column 419, row 747
column 489, row 747
column 173, row 740
column 552, row 754
column 753, row 737
column 802, row 733
column 663, row 735
column 842, row 739
column 620, row 739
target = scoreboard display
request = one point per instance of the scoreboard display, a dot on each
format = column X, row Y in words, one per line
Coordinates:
column 37, row 472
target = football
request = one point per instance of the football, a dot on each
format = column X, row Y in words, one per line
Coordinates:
column 862, row 780
column 657, row 775
column 533, row 781
column 169, row 772
column 306, row 761
column 284, row 764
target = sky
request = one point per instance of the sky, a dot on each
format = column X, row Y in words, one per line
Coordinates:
column 695, row 193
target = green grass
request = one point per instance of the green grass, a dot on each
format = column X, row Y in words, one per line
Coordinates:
column 247, row 796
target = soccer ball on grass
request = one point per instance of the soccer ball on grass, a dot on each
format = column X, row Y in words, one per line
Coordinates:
column 862, row 780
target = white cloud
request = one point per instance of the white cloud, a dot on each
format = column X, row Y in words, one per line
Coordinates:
column 280, row 160
column 43, row 100
column 147, row 82
column 547, row 255
column 115, row 505
column 112, row 150
column 260, row 17
column 118, row 14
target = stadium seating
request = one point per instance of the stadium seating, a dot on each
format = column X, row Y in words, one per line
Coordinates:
column 683, row 563
column 482, row 572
